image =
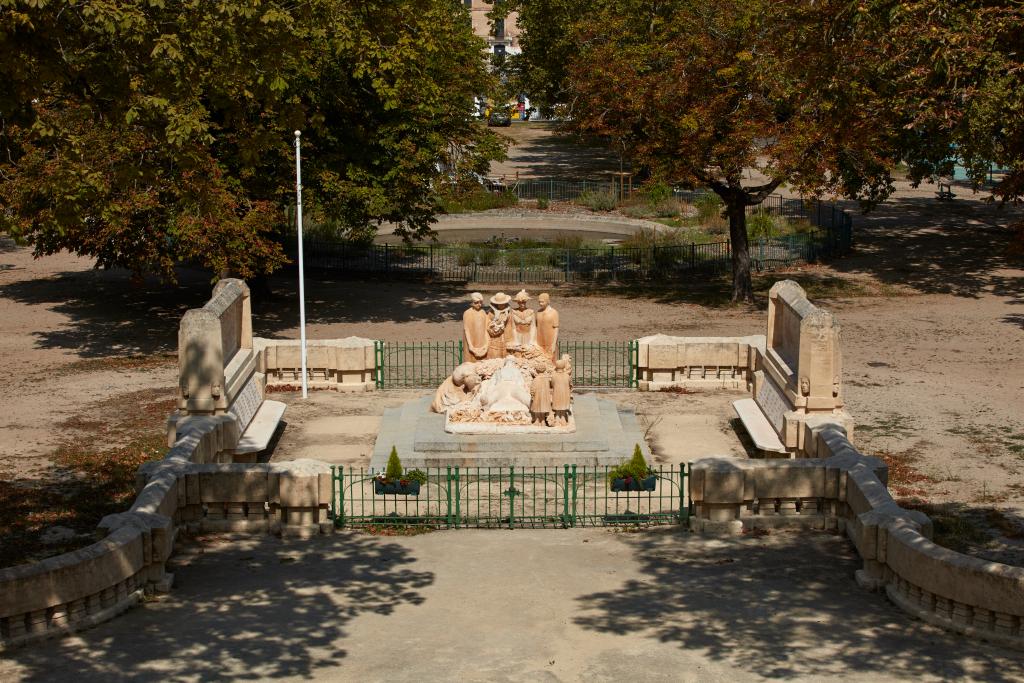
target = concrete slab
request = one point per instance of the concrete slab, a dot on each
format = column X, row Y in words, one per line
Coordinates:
column 684, row 438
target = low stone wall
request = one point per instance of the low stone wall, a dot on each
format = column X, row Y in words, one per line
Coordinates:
column 845, row 490
column 336, row 364
column 85, row 587
column 665, row 362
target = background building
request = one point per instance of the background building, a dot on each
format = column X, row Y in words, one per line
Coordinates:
column 502, row 35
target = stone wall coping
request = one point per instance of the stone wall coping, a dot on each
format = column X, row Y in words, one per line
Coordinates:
column 895, row 543
column 225, row 293
column 756, row 340
column 70, row 576
column 952, row 575
column 793, row 295
column 260, row 343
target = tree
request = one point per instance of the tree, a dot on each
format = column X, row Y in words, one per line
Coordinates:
column 701, row 93
column 145, row 132
column 956, row 69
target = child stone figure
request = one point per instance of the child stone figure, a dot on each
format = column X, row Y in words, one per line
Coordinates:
column 540, row 406
column 561, row 392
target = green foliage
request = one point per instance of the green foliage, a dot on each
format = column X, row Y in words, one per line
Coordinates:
column 467, row 255
column 597, row 200
column 954, row 76
column 657, row 192
column 760, row 224
column 709, row 207
column 667, row 208
column 474, row 199
column 695, row 93
column 543, row 203
column 416, row 474
column 634, row 468
column 146, row 133
column 646, row 238
column 393, row 471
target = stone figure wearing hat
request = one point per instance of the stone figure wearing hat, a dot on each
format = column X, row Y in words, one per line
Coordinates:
column 547, row 326
column 524, row 321
column 500, row 331
column 475, row 341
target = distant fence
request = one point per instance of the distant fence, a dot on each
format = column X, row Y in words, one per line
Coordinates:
column 832, row 236
column 608, row 364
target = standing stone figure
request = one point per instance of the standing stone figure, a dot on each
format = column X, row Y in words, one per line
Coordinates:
column 540, row 404
column 499, row 326
column 524, row 321
column 561, row 392
column 547, row 326
column 474, row 329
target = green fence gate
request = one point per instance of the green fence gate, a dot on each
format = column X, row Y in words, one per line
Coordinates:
column 595, row 364
column 512, row 497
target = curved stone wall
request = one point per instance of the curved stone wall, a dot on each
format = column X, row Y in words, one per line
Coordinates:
column 85, row 587
column 845, row 490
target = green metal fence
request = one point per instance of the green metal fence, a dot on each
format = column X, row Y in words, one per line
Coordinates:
column 832, row 236
column 595, row 364
column 415, row 364
column 602, row 363
column 509, row 497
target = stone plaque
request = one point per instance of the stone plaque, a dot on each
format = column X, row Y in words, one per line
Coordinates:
column 772, row 403
column 246, row 403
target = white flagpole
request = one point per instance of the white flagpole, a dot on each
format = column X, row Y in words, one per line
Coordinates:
column 302, row 275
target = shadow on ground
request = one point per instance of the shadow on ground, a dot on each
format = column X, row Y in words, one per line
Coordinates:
column 959, row 247
column 111, row 313
column 563, row 156
column 331, row 300
column 780, row 608
column 259, row 610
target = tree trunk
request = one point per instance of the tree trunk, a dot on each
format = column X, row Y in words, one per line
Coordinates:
column 742, row 287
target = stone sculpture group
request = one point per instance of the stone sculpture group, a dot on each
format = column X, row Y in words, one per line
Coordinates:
column 513, row 376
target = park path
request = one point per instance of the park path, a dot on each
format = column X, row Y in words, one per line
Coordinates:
column 522, row 605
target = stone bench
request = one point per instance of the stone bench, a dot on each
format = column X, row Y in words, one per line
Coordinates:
column 758, row 427
column 258, row 419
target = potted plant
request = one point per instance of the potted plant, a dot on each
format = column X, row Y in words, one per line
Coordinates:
column 395, row 481
column 633, row 475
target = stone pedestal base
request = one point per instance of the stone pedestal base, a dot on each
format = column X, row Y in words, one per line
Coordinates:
column 605, row 434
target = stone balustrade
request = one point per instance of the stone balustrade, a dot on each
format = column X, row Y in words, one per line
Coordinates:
column 845, row 490
column 222, row 369
column 185, row 489
column 337, row 364
column 666, row 362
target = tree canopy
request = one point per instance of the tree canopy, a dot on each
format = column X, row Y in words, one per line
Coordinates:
column 956, row 75
column 143, row 132
column 700, row 94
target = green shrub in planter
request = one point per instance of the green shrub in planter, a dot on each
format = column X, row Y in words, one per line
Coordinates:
column 396, row 481
column 633, row 475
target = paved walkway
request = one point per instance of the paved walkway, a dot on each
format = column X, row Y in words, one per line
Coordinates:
column 541, row 605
